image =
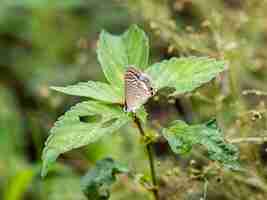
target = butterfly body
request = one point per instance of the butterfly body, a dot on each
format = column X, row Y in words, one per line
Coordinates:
column 138, row 89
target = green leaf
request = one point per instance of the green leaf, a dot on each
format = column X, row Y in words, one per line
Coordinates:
column 116, row 53
column 97, row 182
column 137, row 47
column 184, row 74
column 94, row 90
column 71, row 131
column 112, row 56
column 142, row 114
column 181, row 138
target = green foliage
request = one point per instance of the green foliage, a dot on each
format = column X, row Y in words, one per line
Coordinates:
column 137, row 47
column 184, row 74
column 116, row 53
column 70, row 132
column 95, row 90
column 96, row 183
column 142, row 114
column 182, row 137
column 47, row 43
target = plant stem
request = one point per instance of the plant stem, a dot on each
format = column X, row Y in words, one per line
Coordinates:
column 151, row 160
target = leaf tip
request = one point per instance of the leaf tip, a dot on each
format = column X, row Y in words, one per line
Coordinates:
column 55, row 88
column 49, row 157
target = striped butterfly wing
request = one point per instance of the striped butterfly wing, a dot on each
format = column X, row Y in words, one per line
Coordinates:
column 137, row 89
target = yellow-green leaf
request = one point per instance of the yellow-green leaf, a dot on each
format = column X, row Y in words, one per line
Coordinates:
column 96, row 183
column 84, row 123
column 184, row 74
column 92, row 89
column 181, row 138
column 116, row 53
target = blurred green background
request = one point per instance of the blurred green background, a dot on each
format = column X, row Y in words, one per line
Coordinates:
column 51, row 42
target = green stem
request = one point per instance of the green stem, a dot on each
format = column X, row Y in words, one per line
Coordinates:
column 151, row 160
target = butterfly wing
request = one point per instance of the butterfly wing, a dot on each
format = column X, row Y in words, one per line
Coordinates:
column 137, row 89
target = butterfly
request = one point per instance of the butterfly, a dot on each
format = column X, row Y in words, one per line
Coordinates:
column 138, row 89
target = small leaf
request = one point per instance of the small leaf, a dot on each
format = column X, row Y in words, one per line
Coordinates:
column 137, row 47
column 116, row 53
column 184, row 74
column 142, row 114
column 112, row 56
column 181, row 138
column 49, row 157
column 97, row 182
column 70, row 132
column 94, row 90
